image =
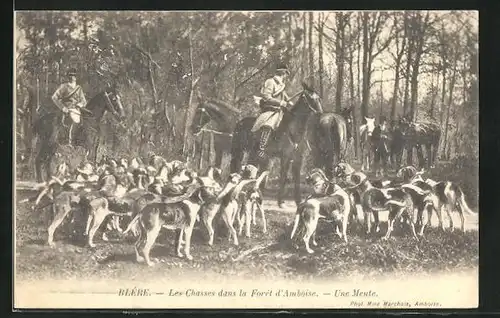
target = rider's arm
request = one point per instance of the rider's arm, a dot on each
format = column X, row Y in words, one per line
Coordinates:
column 81, row 99
column 267, row 94
column 57, row 96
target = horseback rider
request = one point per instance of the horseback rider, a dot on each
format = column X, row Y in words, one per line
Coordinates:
column 274, row 101
column 380, row 136
column 70, row 99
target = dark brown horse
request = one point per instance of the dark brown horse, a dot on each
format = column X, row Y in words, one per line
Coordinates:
column 219, row 120
column 47, row 128
column 331, row 134
column 288, row 142
column 420, row 135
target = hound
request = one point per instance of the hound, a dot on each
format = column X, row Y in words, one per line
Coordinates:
column 159, row 210
column 373, row 199
column 222, row 202
column 250, row 200
column 447, row 195
column 407, row 173
column 328, row 201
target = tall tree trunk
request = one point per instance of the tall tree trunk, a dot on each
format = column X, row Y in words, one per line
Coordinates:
column 366, row 71
column 339, row 59
column 415, row 73
column 443, row 93
column 450, row 100
column 320, row 51
column 191, row 107
column 433, row 95
column 311, row 52
column 304, row 65
column 399, row 56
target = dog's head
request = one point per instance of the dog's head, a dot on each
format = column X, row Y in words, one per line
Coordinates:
column 249, row 171
column 318, row 180
column 343, row 169
column 184, row 176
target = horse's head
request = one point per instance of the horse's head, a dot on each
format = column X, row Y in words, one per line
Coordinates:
column 310, row 98
column 201, row 119
column 113, row 102
column 368, row 127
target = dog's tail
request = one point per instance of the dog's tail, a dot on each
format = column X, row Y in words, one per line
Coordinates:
column 299, row 216
column 462, row 203
column 295, row 224
column 131, row 223
column 395, row 202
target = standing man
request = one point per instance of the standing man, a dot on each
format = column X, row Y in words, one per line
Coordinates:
column 380, row 137
column 274, row 100
column 69, row 98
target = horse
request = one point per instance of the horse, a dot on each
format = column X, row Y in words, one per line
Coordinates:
column 85, row 134
column 420, row 135
column 331, row 134
column 286, row 143
column 218, row 120
column 365, row 134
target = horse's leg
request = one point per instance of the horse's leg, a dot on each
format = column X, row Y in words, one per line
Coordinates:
column 409, row 155
column 218, row 157
column 296, row 166
column 38, row 166
column 420, row 156
column 285, row 165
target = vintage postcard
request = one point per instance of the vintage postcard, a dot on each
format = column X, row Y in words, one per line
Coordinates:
column 237, row 159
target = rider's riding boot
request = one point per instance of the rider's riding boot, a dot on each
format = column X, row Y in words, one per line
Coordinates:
column 264, row 139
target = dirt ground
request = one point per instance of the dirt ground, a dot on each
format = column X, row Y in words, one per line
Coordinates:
column 273, row 255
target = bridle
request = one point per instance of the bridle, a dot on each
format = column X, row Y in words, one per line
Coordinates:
column 312, row 109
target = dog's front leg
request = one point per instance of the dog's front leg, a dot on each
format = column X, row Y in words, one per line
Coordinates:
column 376, row 221
column 249, row 207
column 180, row 242
column 393, row 216
column 367, row 213
column 448, row 212
column 207, row 218
column 310, row 230
column 151, row 235
column 60, row 212
column 188, row 231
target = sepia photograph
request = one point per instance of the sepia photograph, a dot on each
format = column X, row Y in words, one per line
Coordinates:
column 246, row 159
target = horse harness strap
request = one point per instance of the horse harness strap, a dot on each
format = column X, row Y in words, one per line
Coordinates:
column 215, row 132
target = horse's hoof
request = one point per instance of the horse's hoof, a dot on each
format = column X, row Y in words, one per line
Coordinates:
column 189, row 257
column 92, row 245
column 139, row 259
column 310, row 251
column 151, row 264
column 105, row 237
column 52, row 244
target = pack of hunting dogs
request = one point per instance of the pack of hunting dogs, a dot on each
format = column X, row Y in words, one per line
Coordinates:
column 154, row 193
column 169, row 195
